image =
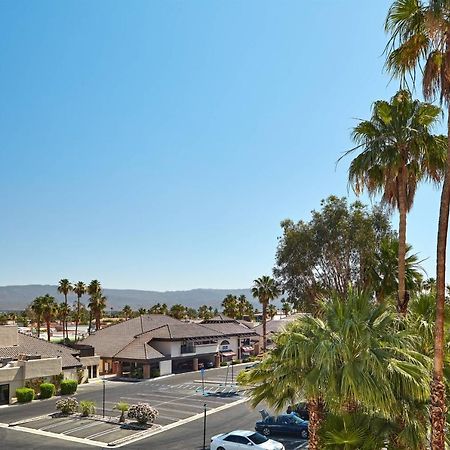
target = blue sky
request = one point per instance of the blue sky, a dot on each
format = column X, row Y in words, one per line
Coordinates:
column 158, row 144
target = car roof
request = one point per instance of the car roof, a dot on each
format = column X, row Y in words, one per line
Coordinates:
column 242, row 432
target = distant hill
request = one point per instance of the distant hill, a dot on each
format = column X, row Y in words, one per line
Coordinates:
column 18, row 297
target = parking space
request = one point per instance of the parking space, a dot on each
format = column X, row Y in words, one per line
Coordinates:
column 89, row 430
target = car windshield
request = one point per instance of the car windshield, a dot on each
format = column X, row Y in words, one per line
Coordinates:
column 257, row 438
column 296, row 419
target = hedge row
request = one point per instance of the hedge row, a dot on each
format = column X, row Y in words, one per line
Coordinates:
column 47, row 390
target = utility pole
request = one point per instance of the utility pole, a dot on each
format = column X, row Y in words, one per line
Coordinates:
column 104, row 391
column 204, row 426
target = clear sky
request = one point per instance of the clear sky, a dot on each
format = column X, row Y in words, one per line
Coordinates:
column 158, row 144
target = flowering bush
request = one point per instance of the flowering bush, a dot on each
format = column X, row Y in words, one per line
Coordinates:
column 67, row 405
column 143, row 413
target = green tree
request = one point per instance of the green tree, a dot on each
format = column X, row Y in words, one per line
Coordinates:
column 230, row 306
column 265, row 289
column 285, row 307
column 49, row 311
column 191, row 313
column 79, row 289
column 37, row 309
column 204, row 312
column 420, row 39
column 398, row 151
column 142, row 311
column 127, row 312
column 64, row 287
column 385, row 274
column 271, row 311
column 244, row 308
column 337, row 248
column 177, row 311
column 354, row 358
column 97, row 303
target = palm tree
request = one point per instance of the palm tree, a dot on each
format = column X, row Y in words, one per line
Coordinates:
column 272, row 311
column 49, row 311
column 265, row 289
column 285, row 306
column 127, row 312
column 420, row 38
column 142, row 311
column 230, row 306
column 37, row 308
column 177, row 311
column 398, row 151
column 64, row 287
column 79, row 289
column 94, row 291
column 384, row 276
column 354, row 358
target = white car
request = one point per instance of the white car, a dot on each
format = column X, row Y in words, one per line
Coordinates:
column 241, row 439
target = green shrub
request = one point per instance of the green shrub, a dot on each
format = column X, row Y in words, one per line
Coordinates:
column 223, row 364
column 236, row 361
column 24, row 395
column 47, row 390
column 67, row 405
column 154, row 373
column 87, row 408
column 35, row 384
column 68, row 387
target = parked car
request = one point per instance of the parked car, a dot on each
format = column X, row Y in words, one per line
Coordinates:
column 282, row 424
column 240, row 439
column 205, row 364
column 252, row 366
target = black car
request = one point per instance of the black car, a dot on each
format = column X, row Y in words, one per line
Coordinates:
column 205, row 364
column 283, row 424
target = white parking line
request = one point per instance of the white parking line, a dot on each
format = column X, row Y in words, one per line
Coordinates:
column 49, row 427
column 81, row 427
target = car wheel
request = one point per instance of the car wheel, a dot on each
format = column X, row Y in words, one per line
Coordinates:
column 304, row 434
column 266, row 431
column 220, row 448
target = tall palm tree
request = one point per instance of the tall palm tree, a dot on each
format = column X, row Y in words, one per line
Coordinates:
column 49, row 311
column 79, row 289
column 398, row 151
column 420, row 38
column 64, row 287
column 37, row 308
column 142, row 311
column 353, row 358
column 265, row 289
column 94, row 290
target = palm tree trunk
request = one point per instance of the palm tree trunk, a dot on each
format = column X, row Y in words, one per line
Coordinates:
column 264, row 319
column 39, row 327
column 403, row 297
column 48, row 330
column 316, row 414
column 77, row 319
column 90, row 322
column 438, row 408
column 64, row 316
column 97, row 320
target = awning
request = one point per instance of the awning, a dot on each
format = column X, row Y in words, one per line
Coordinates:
column 247, row 348
column 228, row 354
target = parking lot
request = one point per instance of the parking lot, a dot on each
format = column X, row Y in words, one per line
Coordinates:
column 177, row 403
column 179, row 400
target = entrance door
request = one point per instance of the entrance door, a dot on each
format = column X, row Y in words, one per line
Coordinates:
column 4, row 394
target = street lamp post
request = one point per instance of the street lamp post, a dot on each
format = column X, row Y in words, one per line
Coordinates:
column 104, row 389
column 204, row 426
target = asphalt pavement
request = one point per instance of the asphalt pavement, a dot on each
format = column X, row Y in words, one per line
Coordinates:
column 178, row 398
